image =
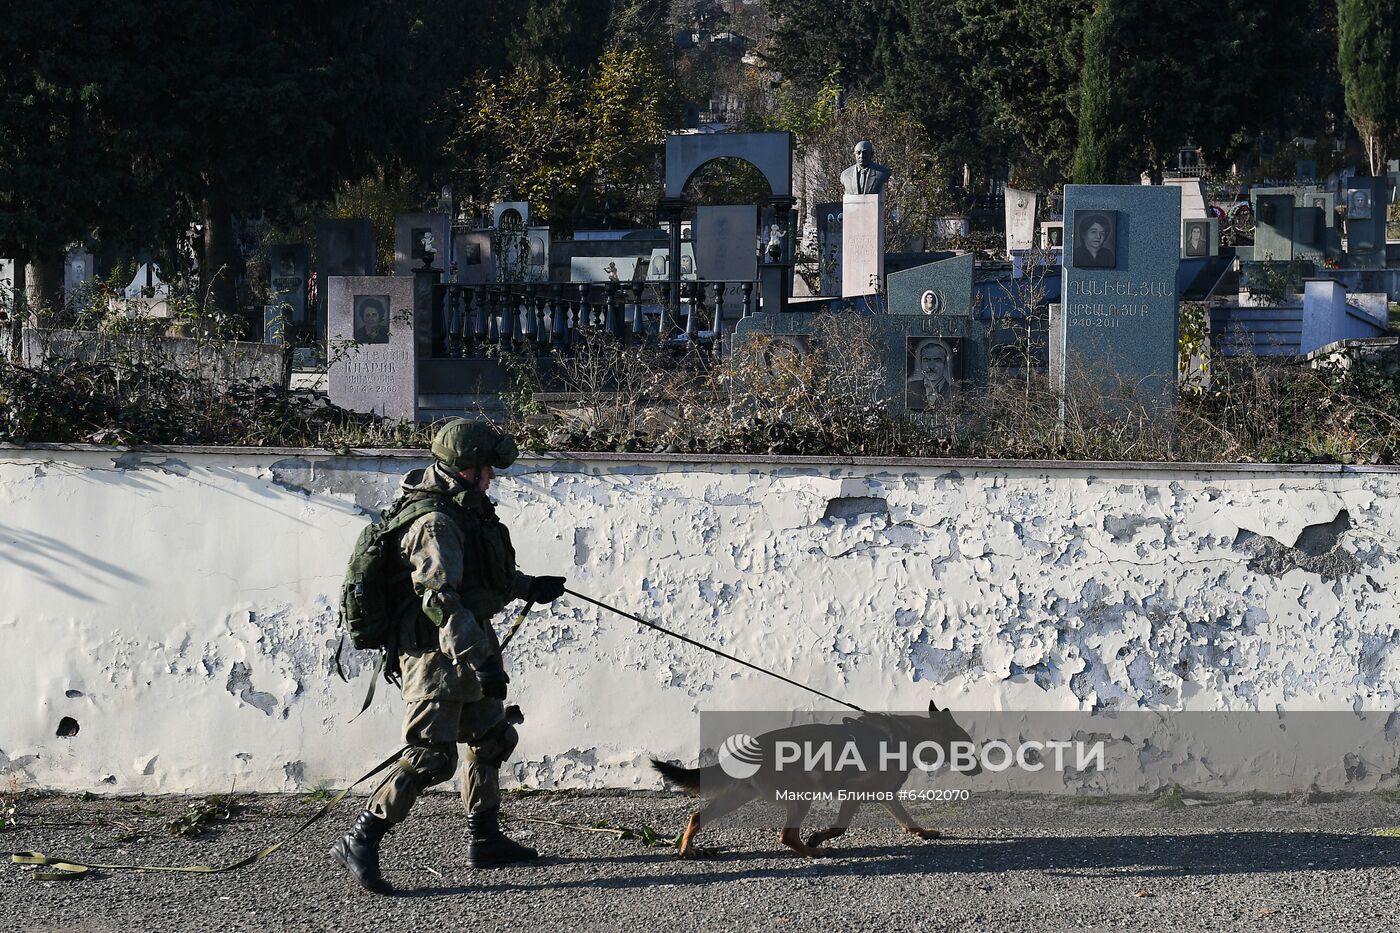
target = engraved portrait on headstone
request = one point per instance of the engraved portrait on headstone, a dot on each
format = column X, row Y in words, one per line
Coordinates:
column 931, row 370
column 866, row 176
column 1359, row 204
column 1052, row 235
column 931, row 302
column 782, row 351
column 1096, row 239
column 371, row 318
column 1196, row 240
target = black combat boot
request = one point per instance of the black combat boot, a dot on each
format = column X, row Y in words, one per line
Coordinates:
column 488, row 847
column 358, row 850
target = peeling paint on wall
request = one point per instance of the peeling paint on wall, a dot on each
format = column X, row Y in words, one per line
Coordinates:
column 193, row 599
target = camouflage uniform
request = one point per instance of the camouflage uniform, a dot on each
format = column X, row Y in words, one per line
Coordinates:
column 458, row 572
column 443, row 698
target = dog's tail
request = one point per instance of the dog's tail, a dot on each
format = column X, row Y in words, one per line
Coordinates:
column 686, row 778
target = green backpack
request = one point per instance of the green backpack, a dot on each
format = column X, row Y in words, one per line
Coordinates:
column 372, row 592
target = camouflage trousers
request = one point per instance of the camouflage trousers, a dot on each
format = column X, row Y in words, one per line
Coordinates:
column 444, row 708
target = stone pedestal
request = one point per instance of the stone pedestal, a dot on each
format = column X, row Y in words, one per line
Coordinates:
column 862, row 245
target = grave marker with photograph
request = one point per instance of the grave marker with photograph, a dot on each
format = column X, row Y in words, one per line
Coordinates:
column 373, row 364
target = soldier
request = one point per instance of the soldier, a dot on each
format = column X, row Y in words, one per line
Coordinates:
column 461, row 568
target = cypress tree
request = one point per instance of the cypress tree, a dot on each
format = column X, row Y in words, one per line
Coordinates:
column 1096, row 157
column 1368, row 54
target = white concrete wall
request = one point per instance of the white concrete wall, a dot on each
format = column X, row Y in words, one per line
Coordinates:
column 179, row 605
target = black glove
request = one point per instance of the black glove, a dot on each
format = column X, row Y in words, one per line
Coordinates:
column 546, row 589
column 493, row 678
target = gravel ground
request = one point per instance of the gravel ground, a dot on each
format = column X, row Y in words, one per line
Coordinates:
column 1004, row 863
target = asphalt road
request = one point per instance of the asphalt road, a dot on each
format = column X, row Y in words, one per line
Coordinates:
column 1004, row 864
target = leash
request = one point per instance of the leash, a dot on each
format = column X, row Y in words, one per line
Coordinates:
column 705, row 647
column 62, row 869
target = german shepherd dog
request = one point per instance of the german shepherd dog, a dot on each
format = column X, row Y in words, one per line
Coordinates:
column 868, row 733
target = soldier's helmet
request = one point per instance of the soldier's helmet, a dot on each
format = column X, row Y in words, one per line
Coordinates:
column 463, row 444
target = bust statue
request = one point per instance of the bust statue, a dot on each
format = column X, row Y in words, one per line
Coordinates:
column 866, row 176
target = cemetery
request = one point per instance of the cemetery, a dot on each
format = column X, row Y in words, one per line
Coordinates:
column 931, row 357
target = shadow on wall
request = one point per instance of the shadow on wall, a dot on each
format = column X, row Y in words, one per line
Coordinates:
column 72, row 564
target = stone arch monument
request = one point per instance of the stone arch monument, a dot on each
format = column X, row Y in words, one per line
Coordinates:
column 771, row 154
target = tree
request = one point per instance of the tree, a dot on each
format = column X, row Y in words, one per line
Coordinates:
column 915, row 193
column 1096, row 158
column 567, row 144
column 930, row 73
column 566, row 35
column 1369, row 60
column 64, row 173
column 140, row 118
column 814, row 38
column 1030, row 84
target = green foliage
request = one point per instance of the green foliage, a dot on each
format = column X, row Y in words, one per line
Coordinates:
column 802, row 113
column 812, row 39
column 1170, row 799
column 1096, row 158
column 565, row 36
column 994, row 82
column 1369, row 60
column 146, row 401
column 210, row 110
column 927, row 69
column 198, row 818
column 566, row 144
column 1193, row 345
column 1027, row 60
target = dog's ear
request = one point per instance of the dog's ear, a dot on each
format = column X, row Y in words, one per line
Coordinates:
column 932, row 707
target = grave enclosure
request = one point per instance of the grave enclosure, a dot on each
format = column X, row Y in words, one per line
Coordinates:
column 1092, row 287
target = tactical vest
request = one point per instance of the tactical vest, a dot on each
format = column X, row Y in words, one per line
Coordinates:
column 488, row 567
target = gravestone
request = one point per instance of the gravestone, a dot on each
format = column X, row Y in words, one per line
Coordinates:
column 659, row 266
column 146, row 283
column 373, row 365
column 472, row 255
column 1294, row 223
column 510, row 213
column 724, row 244
column 1020, row 219
column 344, row 246
column 1200, row 237
column 1367, row 206
column 537, row 254
column 942, row 287
column 1052, row 234
column 922, row 357
column 1194, row 203
column 726, row 249
column 620, row 268
column 274, row 325
column 510, row 242
column 77, row 270
column 417, row 234
column 1122, row 248
column 862, row 245
column 1329, row 314
column 829, row 217
column 287, row 267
